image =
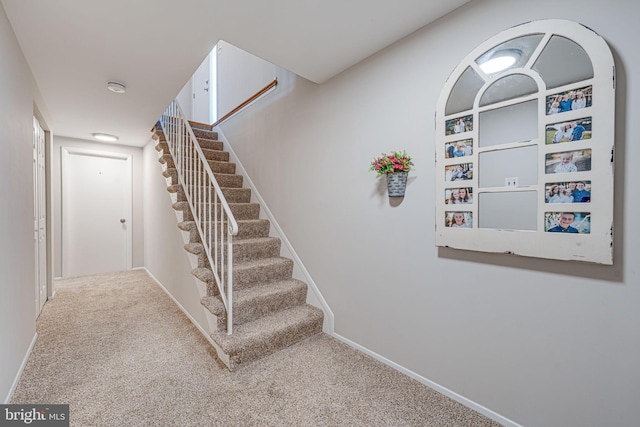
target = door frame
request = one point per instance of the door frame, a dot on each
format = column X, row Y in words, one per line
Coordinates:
column 41, row 215
column 66, row 153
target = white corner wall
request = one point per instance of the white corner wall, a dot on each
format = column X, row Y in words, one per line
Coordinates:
column 540, row 342
column 137, row 248
column 17, row 271
column 164, row 255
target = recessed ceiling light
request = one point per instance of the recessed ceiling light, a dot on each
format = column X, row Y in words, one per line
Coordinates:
column 116, row 87
column 105, row 137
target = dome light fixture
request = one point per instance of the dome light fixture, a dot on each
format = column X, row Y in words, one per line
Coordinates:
column 105, row 137
column 499, row 61
column 116, row 87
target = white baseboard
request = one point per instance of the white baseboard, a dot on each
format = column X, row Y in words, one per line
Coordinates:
column 328, row 324
column 21, row 370
column 437, row 387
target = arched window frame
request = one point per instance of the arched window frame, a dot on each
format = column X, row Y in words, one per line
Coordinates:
column 594, row 246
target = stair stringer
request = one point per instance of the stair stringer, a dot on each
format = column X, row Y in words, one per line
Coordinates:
column 314, row 297
column 212, row 319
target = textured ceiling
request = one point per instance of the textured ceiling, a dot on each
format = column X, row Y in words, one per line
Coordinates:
column 153, row 46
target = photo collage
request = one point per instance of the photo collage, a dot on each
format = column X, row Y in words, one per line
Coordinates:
column 459, row 193
column 572, row 157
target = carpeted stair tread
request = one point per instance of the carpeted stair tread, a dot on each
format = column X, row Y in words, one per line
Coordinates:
column 267, row 334
column 245, row 210
column 254, row 272
column 211, row 144
column 244, row 249
column 224, row 180
column 218, row 155
column 203, row 274
column 205, row 134
column 231, row 195
column 216, row 167
column 166, row 158
column 237, row 195
column 239, row 210
column 223, row 167
column 247, row 228
column 194, row 248
column 170, row 173
column 162, row 146
column 258, row 247
column 257, row 272
column 252, row 303
column 198, row 125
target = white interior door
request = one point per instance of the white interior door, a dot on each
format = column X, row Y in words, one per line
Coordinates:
column 96, row 212
column 39, row 216
column 201, row 85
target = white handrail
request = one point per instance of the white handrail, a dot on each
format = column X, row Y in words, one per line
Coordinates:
column 210, row 209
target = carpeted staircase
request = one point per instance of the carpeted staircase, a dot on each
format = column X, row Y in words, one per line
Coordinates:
column 269, row 306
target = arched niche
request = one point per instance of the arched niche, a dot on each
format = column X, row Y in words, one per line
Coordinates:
column 524, row 154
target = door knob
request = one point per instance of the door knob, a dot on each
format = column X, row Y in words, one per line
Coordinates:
column 122, row 220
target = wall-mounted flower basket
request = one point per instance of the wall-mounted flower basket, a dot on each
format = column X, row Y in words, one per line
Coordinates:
column 397, row 183
column 395, row 167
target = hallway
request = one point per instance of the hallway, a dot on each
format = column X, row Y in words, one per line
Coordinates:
column 120, row 352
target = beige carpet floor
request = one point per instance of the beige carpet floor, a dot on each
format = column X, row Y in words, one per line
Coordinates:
column 120, row 352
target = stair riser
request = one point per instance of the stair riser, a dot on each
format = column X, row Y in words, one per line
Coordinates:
column 207, row 134
column 158, row 135
column 203, row 262
column 255, row 250
column 212, row 155
column 161, row 146
column 239, row 211
column 216, row 167
column 253, row 229
column 263, row 306
column 232, row 195
column 219, row 167
column 284, row 338
column 246, row 229
column 237, row 195
column 245, row 211
column 217, row 155
column 245, row 278
column 194, row 236
column 211, row 144
column 228, row 181
column 242, row 250
column 199, row 134
column 224, row 180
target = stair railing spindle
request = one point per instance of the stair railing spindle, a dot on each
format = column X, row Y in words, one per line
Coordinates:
column 203, row 195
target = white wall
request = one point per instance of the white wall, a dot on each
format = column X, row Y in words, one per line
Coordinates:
column 164, row 254
column 137, row 205
column 236, row 84
column 17, row 271
column 540, row 342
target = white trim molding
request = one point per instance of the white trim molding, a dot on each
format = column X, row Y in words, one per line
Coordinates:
column 435, row 386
